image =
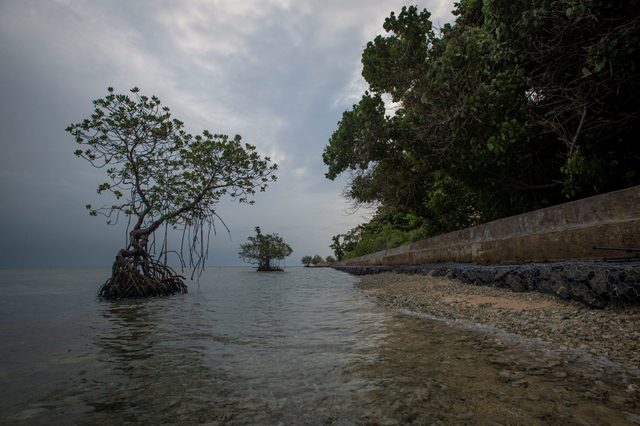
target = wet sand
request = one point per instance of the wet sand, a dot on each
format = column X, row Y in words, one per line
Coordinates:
column 495, row 357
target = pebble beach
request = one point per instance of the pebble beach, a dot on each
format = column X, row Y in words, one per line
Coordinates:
column 613, row 332
column 463, row 354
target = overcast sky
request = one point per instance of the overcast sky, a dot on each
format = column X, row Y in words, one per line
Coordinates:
column 278, row 72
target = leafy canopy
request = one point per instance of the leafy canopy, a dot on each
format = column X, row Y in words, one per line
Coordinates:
column 158, row 173
column 263, row 249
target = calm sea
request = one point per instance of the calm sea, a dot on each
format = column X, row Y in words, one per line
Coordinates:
column 301, row 347
column 241, row 346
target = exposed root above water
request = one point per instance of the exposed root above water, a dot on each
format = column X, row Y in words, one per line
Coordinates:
column 141, row 276
column 269, row 269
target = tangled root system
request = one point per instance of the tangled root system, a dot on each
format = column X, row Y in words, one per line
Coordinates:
column 143, row 277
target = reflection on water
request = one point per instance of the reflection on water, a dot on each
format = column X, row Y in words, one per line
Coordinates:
column 155, row 368
column 301, row 347
column 242, row 348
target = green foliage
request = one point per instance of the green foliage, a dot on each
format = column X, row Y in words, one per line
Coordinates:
column 337, row 247
column 386, row 230
column 519, row 105
column 348, row 243
column 263, row 249
column 580, row 59
column 315, row 260
column 158, row 173
column 330, row 259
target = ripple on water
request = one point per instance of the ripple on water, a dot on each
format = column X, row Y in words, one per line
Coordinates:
column 241, row 347
column 301, row 347
column 440, row 372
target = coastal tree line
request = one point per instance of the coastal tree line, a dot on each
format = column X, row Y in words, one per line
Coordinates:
column 518, row 105
column 316, row 260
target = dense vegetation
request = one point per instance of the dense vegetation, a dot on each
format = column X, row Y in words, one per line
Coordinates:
column 521, row 104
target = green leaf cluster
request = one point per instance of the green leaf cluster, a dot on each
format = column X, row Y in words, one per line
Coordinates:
column 158, row 173
column 315, row 260
column 262, row 249
column 386, row 230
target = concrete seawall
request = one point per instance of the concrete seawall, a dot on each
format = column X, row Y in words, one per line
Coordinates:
column 554, row 234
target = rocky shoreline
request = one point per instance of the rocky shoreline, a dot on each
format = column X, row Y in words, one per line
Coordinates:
column 612, row 332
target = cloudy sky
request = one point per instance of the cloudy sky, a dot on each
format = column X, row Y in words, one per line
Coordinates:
column 278, row 72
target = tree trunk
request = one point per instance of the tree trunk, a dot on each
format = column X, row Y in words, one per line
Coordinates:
column 265, row 266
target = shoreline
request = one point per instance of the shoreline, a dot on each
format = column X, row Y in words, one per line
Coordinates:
column 613, row 332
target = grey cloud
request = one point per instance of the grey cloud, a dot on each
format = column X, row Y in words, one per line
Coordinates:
column 278, row 73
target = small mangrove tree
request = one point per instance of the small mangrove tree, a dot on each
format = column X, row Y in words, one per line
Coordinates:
column 263, row 249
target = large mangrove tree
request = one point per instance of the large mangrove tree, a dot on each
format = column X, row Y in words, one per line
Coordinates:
column 162, row 176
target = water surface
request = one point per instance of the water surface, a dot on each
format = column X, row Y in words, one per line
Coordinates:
column 241, row 345
column 301, row 347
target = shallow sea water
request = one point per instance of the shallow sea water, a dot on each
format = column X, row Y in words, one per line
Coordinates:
column 301, row 347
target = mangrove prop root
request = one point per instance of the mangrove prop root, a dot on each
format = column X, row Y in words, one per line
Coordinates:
column 142, row 277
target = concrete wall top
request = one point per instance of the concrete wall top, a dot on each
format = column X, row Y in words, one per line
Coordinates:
column 563, row 232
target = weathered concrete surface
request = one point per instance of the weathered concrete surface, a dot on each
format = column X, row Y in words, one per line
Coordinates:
column 564, row 232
